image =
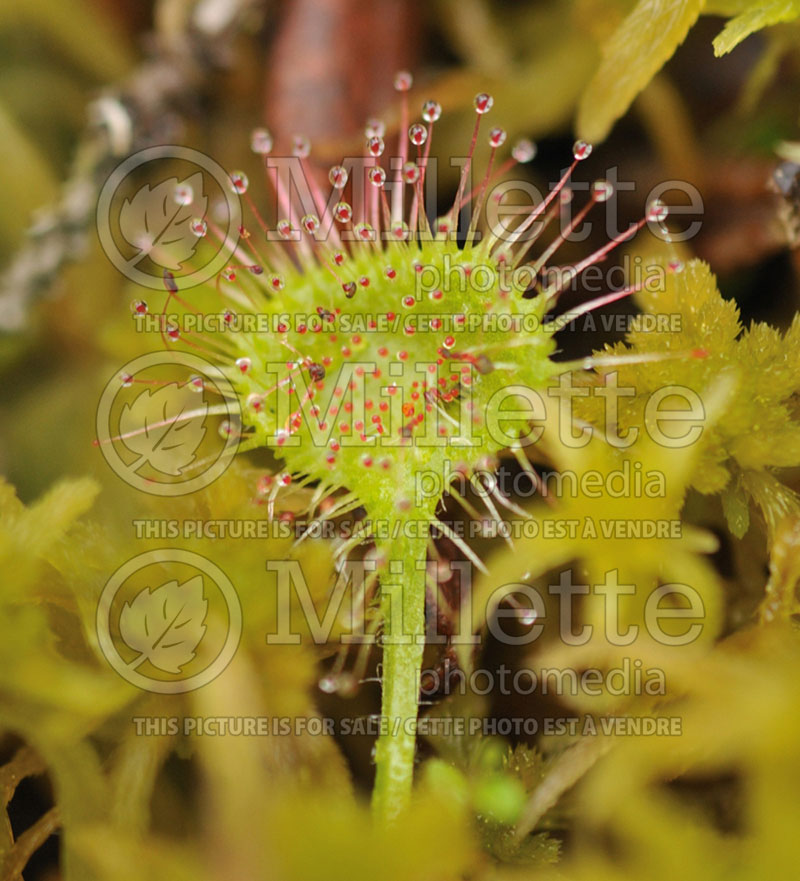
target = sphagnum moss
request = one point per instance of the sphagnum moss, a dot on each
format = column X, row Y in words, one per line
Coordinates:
column 358, row 396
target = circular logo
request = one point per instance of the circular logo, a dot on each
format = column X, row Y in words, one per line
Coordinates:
column 169, row 621
column 169, row 423
column 168, row 209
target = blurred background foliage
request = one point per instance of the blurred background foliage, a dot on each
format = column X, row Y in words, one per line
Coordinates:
column 680, row 89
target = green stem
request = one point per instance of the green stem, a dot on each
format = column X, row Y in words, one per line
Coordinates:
column 403, row 608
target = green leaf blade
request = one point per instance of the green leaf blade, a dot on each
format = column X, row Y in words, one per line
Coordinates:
column 756, row 17
column 637, row 50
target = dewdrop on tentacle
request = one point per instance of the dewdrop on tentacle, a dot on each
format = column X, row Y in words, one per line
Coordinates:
column 184, row 195
column 261, row 141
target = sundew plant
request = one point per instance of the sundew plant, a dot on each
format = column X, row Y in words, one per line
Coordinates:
column 372, row 383
column 415, row 501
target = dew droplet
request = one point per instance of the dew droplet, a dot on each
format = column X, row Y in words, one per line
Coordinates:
column 226, row 429
column 657, row 211
column 310, row 223
column 173, row 332
column 418, row 134
column 375, row 128
column 527, row 616
column 261, row 141
column 390, row 272
column 497, row 137
column 524, row 150
column 675, row 265
column 196, row 383
column 126, row 380
column 139, row 307
column 349, row 288
column 403, row 80
column 400, row 231
column 284, row 228
column 239, row 182
column 184, row 195
column 264, row 484
column 375, row 146
column 328, row 683
column 254, row 401
column 602, row 190
column 483, row 102
column 338, row 177
column 365, row 232
column 343, row 213
column 581, row 150
column 377, row 176
column 431, row 111
column 243, row 364
column 277, row 282
column 229, row 273
column 199, row 227
column 411, row 172
column 301, row 146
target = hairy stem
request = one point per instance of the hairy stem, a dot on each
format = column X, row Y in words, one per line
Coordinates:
column 403, row 607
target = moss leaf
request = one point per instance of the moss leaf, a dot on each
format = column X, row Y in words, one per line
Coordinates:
column 758, row 15
column 632, row 56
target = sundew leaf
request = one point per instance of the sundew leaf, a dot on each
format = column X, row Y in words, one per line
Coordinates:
column 756, row 16
column 635, row 52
